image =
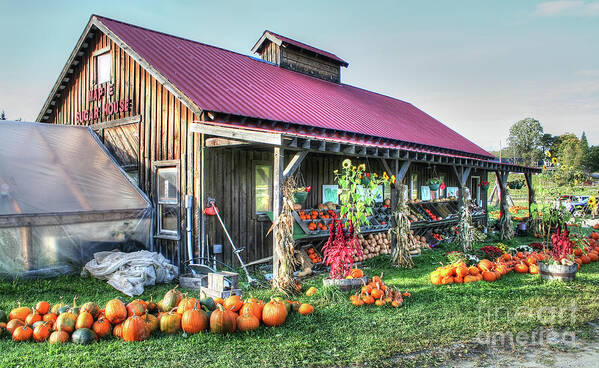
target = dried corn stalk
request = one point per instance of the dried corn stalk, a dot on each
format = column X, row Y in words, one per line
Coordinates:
column 284, row 281
column 404, row 239
column 465, row 229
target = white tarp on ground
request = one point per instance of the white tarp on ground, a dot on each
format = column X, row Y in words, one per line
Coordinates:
column 130, row 272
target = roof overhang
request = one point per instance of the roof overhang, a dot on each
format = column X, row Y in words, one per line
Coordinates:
column 350, row 147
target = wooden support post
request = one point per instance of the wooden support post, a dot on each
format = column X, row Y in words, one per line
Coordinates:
column 277, row 198
column 502, row 181
column 462, row 175
column 531, row 192
column 401, row 174
column 295, row 163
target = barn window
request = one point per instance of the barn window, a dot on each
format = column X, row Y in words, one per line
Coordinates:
column 167, row 200
column 263, row 187
column 103, row 67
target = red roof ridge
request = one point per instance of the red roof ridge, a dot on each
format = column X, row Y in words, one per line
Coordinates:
column 322, row 52
column 100, row 17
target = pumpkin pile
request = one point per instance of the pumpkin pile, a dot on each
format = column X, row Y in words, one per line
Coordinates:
column 314, row 256
column 378, row 293
column 139, row 319
column 486, row 270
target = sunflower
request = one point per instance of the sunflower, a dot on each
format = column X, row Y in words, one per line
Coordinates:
column 544, row 167
column 554, row 160
column 362, row 167
column 393, row 178
column 385, row 176
column 346, row 163
column 548, row 153
column 375, row 175
column 592, row 202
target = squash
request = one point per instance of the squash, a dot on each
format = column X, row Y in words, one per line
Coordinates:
column 233, row 303
column 207, row 302
column 91, row 308
column 435, row 278
column 56, row 307
column 66, row 322
column 485, row 265
column 115, row 311
column 171, row 299
column 186, row 304
column 194, row 320
column 13, row 324
column 489, row 276
column 521, row 268
column 152, row 323
column 473, row 270
column 356, row 273
column 135, row 309
column 533, row 269
column 42, row 307
column 102, row 327
column 41, row 332
column 306, row 309
column 32, row 318
column 84, row 336
column 134, row 329
column 58, row 337
column 311, row 291
column 84, row 320
column 117, row 331
column 254, row 308
column 22, row 333
column 50, row 318
column 247, row 322
column 274, row 313
column 170, row 323
column 19, row 313
column 223, row 321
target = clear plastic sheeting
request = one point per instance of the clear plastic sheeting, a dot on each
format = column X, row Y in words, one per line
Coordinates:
column 62, row 199
column 130, row 272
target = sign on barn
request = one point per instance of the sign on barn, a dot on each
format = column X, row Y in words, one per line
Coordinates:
column 104, row 110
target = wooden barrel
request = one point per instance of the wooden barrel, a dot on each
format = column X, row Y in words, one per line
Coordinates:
column 557, row 272
column 346, row 284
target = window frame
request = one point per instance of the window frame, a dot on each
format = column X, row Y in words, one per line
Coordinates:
column 159, row 232
column 96, row 55
column 256, row 163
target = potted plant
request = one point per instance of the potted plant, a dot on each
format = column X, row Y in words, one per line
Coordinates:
column 301, row 194
column 560, row 265
column 434, row 184
column 484, row 185
column 339, row 251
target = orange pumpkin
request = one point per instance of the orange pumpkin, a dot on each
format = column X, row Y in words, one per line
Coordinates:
column 435, row 278
column 134, row 329
column 233, row 303
column 19, row 313
column 84, row 320
column 13, row 324
column 135, row 308
column 42, row 307
column 485, row 265
column 447, row 280
column 473, row 270
column 247, row 322
column 50, row 318
column 356, row 273
column 376, row 293
column 274, row 313
column 470, row 278
column 225, row 321
column 489, row 276
column 115, row 311
column 41, row 332
column 58, row 337
column 306, row 309
column 195, row 320
column 521, row 268
column 533, row 269
column 254, row 308
column 585, row 259
column 101, row 327
column 32, row 318
column 22, row 333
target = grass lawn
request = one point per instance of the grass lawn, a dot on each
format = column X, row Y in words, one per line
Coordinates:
column 337, row 334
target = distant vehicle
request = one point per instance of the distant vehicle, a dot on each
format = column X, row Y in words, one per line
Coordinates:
column 577, row 205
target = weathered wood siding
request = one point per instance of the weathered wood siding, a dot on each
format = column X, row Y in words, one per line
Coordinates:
column 160, row 135
column 296, row 60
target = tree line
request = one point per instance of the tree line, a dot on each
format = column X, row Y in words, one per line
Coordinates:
column 571, row 155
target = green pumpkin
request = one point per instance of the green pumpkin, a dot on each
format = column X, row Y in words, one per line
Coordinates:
column 57, row 307
column 3, row 316
column 84, row 336
column 171, row 299
column 64, row 309
column 122, row 299
column 207, row 302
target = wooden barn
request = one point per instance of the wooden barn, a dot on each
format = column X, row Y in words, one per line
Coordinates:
column 189, row 121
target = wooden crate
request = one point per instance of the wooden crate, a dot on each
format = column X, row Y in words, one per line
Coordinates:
column 188, row 281
column 220, row 293
column 219, row 280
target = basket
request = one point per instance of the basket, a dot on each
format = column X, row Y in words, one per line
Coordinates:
column 300, row 197
column 434, row 187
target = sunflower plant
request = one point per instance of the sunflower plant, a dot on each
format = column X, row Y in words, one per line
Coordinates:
column 356, row 196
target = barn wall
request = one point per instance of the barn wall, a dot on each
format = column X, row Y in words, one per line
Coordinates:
column 160, row 135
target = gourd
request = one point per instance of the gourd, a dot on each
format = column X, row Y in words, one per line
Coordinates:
column 170, row 323
column 58, row 337
column 84, row 336
column 115, row 311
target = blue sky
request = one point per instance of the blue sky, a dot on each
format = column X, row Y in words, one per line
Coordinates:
column 477, row 66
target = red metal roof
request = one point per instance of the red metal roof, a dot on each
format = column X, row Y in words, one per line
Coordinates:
column 308, row 47
column 220, row 80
